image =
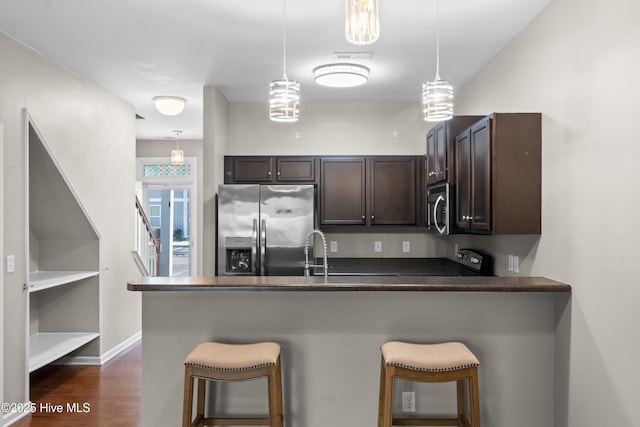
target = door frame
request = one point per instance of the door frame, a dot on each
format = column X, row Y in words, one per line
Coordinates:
column 2, row 258
column 174, row 183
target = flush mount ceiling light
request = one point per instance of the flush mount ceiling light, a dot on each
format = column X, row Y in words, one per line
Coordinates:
column 169, row 105
column 341, row 75
column 361, row 21
column 437, row 95
column 177, row 155
column 284, row 94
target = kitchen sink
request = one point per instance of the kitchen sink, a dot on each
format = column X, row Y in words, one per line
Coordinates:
column 334, row 273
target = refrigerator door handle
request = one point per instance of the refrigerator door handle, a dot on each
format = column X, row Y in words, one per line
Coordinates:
column 263, row 247
column 254, row 248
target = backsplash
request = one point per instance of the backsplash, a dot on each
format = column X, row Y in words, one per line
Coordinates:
column 389, row 245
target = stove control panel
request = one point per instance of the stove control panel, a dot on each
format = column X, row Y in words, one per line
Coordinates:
column 476, row 260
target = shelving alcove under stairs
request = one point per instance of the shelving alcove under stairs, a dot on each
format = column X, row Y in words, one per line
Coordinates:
column 47, row 347
column 63, row 250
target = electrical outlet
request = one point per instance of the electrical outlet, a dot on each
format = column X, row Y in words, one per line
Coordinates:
column 406, row 246
column 11, row 265
column 333, row 246
column 408, row 401
column 377, row 246
column 514, row 263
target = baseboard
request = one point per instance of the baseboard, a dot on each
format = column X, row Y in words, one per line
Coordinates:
column 100, row 360
column 13, row 416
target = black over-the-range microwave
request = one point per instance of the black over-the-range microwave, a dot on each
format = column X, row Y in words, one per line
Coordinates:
column 440, row 208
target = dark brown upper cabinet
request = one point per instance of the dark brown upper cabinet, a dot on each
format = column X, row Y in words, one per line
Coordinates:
column 441, row 148
column 260, row 170
column 342, row 191
column 498, row 175
column 369, row 191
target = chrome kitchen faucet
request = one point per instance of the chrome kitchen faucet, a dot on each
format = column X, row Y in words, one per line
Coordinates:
column 325, row 265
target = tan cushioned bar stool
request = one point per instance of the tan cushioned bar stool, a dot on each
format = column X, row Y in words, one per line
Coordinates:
column 433, row 363
column 212, row 361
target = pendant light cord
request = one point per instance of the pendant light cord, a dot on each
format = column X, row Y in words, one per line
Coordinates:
column 437, row 39
column 284, row 41
column 177, row 132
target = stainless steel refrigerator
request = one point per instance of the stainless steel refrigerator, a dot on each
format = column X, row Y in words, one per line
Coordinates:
column 262, row 229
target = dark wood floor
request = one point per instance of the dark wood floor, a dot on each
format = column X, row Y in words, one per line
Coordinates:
column 109, row 395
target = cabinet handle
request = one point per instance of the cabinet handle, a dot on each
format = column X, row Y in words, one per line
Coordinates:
column 278, row 173
column 269, row 173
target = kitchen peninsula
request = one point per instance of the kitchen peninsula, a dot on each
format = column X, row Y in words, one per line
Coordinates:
column 331, row 330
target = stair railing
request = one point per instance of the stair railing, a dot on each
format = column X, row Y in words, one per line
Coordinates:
column 148, row 247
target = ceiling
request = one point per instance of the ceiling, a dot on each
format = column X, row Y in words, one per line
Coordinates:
column 138, row 49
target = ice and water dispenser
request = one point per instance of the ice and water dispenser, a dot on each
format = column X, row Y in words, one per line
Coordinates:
column 238, row 255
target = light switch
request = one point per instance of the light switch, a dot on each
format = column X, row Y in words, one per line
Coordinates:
column 11, row 265
column 406, row 246
column 377, row 246
column 333, row 246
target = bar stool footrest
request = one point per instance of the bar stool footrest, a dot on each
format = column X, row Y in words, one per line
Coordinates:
column 236, row 421
column 427, row 422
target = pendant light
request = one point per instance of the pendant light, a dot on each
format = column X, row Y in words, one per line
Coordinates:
column 284, row 94
column 437, row 96
column 362, row 25
column 177, row 155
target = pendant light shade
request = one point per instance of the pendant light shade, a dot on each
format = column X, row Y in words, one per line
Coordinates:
column 177, row 155
column 437, row 95
column 437, row 100
column 284, row 94
column 362, row 25
column 284, row 100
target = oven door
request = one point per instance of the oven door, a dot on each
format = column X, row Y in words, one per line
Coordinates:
column 439, row 209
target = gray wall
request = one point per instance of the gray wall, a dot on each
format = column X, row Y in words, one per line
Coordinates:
column 92, row 134
column 578, row 63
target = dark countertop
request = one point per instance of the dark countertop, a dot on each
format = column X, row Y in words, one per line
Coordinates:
column 393, row 266
column 350, row 283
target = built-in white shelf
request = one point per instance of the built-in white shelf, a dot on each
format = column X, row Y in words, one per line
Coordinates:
column 45, row 347
column 39, row 280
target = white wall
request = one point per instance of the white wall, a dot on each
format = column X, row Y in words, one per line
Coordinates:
column 329, row 128
column 92, row 134
column 578, row 63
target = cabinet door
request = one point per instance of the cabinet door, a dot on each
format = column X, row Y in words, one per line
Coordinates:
column 481, row 176
column 441, row 152
column 295, row 169
column 248, row 169
column 463, row 179
column 437, row 154
column 392, row 191
column 431, row 156
column 342, row 191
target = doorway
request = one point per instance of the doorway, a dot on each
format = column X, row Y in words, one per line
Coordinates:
column 169, row 214
column 168, row 195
